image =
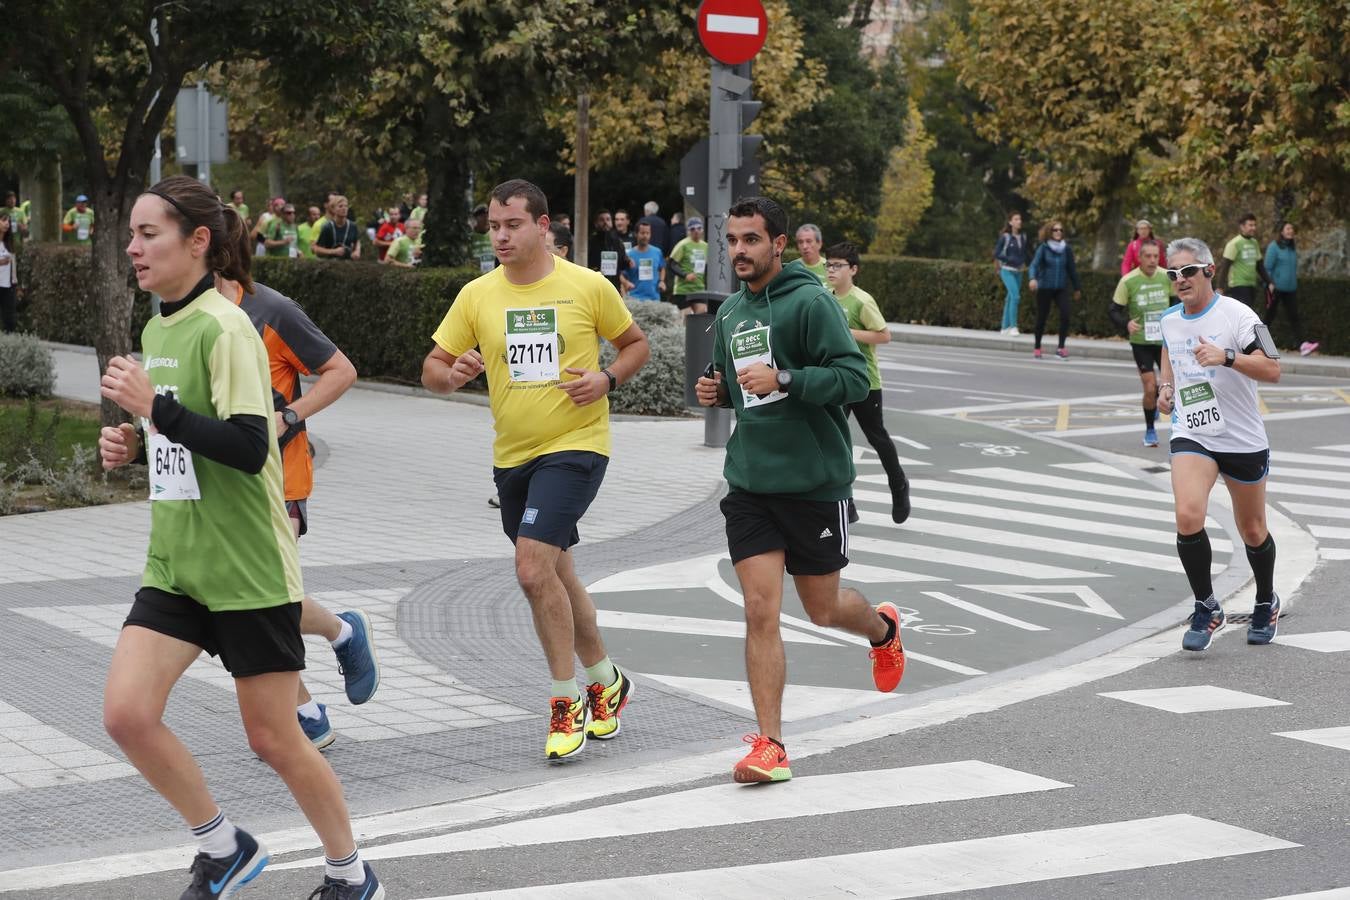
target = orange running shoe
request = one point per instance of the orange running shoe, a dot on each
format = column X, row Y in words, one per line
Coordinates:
column 766, row 761
column 888, row 660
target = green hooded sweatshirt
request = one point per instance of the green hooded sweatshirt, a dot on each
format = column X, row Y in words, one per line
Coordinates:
column 795, row 444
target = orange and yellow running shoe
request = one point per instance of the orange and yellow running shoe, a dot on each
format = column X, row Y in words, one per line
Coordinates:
column 888, row 660
column 566, row 727
column 766, row 761
column 606, row 703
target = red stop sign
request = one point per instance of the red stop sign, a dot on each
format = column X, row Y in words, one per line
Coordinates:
column 732, row 31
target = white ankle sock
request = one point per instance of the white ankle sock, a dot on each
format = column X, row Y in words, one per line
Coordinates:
column 310, row 710
column 217, row 837
column 348, row 869
column 344, row 636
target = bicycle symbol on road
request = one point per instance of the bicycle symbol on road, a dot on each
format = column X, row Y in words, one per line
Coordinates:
column 1004, row 450
column 909, row 619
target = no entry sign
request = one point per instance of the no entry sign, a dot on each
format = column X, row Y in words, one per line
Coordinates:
column 732, row 31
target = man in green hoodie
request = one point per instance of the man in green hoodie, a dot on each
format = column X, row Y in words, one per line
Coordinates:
column 789, row 465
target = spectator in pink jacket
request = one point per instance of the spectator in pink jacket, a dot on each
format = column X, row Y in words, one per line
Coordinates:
column 1143, row 231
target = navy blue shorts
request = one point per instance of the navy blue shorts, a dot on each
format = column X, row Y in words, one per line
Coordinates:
column 545, row 498
column 1244, row 468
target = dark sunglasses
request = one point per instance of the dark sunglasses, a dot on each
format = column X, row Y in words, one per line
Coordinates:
column 1185, row 271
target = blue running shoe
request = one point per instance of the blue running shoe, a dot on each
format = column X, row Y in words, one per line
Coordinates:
column 1265, row 622
column 319, row 731
column 1150, row 437
column 1204, row 622
column 214, row 878
column 357, row 662
column 337, row 889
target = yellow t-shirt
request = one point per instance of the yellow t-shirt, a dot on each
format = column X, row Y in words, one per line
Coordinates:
column 531, row 414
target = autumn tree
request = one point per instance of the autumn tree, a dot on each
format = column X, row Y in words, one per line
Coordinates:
column 907, row 190
column 115, row 67
column 1081, row 93
column 1269, row 110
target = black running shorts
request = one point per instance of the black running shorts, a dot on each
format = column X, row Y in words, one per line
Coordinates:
column 1244, row 468
column 1147, row 356
column 813, row 534
column 248, row 642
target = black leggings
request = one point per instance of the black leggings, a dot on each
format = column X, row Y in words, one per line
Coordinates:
column 1290, row 301
column 869, row 416
column 9, row 318
column 1043, row 298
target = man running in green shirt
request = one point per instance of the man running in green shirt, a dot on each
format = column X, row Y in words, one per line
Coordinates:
column 1241, row 263
column 406, row 251
column 238, row 205
column 281, row 236
column 79, row 221
column 809, row 242
column 868, row 327
column 18, row 216
column 308, row 232
column 688, row 265
column 1137, row 307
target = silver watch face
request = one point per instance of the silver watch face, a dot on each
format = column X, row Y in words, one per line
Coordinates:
column 784, row 379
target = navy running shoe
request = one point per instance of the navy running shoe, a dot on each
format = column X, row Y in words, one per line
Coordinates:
column 214, row 878
column 319, row 731
column 1265, row 622
column 357, row 661
column 337, row 889
column 1205, row 621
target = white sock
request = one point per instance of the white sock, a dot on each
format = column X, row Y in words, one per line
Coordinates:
column 217, row 837
column 348, row 869
column 343, row 636
column 602, row 673
column 310, row 710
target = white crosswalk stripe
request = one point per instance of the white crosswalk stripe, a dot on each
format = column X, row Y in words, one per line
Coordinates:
column 1313, row 475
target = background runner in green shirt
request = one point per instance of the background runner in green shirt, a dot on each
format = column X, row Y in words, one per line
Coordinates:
column 79, row 221
column 868, row 327
column 1241, row 264
column 282, row 235
column 688, row 266
column 1136, row 308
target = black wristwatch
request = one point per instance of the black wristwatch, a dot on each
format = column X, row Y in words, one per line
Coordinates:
column 289, row 417
column 613, row 382
column 1229, row 357
column 784, row 378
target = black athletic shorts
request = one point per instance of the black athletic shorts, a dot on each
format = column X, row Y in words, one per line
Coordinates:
column 299, row 510
column 813, row 534
column 683, row 301
column 545, row 498
column 248, row 642
column 1147, row 356
column 1244, row 468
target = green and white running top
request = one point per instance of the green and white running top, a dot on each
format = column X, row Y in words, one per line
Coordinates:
column 231, row 548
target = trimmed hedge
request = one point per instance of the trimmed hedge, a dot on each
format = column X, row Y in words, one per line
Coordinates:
column 970, row 295
column 383, row 316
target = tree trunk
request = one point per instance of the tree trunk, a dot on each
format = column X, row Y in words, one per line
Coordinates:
column 108, row 284
column 46, row 196
column 447, row 221
column 581, row 201
column 1106, row 248
column 276, row 174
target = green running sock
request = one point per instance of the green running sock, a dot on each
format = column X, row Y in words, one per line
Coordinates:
column 567, row 689
column 604, row 672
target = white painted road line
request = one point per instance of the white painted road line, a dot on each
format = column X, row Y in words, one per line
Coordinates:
column 1338, row 738
column 976, row 609
column 728, row 628
column 1307, row 490
column 800, row 701
column 971, row 865
column 1035, row 542
column 1333, row 894
column 904, row 550
column 733, row 804
column 1321, row 641
column 1053, row 484
column 1329, row 532
column 1316, row 509
column 1197, row 698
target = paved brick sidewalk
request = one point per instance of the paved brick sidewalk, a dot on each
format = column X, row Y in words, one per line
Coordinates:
column 400, row 508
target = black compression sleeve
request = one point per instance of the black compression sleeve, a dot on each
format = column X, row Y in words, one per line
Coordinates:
column 239, row 442
column 1119, row 315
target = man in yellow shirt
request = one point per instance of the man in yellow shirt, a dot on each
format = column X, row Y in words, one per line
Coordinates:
column 537, row 321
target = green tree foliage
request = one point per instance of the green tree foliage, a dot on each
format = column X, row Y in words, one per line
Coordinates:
column 1077, row 91
column 115, row 66
column 1274, row 117
column 907, row 190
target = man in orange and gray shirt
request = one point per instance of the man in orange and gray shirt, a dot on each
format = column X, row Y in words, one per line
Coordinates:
column 296, row 347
